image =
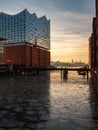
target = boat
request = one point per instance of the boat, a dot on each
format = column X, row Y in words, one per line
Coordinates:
column 81, row 72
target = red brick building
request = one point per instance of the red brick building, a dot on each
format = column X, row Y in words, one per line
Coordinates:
column 27, row 55
column 28, row 39
column 93, row 50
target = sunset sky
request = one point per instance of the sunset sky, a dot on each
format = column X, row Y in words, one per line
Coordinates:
column 71, row 24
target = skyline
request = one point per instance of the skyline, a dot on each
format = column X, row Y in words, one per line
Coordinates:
column 71, row 25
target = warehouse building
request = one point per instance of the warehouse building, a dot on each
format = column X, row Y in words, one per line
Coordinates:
column 28, row 39
column 93, row 49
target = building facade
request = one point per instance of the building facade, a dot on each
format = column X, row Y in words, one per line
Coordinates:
column 93, row 49
column 28, row 39
column 2, row 50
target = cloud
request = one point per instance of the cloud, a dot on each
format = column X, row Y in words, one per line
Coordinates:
column 81, row 6
column 71, row 22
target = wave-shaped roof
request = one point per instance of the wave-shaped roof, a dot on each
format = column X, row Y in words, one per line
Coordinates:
column 43, row 18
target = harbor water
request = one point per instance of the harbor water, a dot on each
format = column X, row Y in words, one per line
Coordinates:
column 48, row 102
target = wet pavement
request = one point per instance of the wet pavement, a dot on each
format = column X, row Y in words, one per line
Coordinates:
column 47, row 102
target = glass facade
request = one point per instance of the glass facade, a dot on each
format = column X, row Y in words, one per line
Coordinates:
column 25, row 28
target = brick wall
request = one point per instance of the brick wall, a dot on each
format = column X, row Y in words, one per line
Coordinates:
column 27, row 55
column 1, row 57
column 47, row 58
column 15, row 55
column 34, row 57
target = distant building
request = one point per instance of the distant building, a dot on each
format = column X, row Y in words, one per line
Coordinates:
column 28, row 37
column 93, row 50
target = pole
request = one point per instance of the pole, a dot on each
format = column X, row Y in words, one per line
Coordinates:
column 87, row 74
column 61, row 73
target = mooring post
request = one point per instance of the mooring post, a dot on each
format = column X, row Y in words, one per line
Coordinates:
column 87, row 74
column 61, row 72
column 65, row 73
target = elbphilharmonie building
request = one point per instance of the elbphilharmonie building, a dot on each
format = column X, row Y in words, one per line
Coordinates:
column 28, row 39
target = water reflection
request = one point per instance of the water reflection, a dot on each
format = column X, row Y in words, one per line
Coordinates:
column 24, row 101
column 70, row 102
column 47, row 102
column 94, row 107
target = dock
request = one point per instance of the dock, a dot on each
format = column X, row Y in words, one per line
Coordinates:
column 20, row 70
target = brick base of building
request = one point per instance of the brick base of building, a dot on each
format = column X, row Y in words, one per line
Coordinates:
column 27, row 55
column 94, row 77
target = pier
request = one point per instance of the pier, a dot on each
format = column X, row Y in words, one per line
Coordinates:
column 18, row 70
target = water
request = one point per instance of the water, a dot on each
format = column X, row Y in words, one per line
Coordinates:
column 47, row 102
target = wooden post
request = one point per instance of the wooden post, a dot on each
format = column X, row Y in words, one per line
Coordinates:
column 87, row 74
column 65, row 73
column 61, row 73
